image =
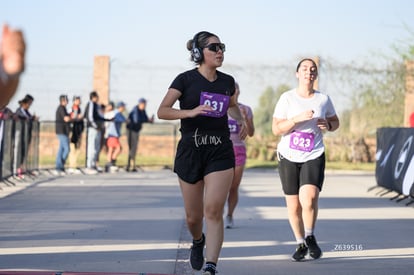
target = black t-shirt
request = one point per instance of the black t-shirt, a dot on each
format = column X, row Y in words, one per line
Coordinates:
column 62, row 127
column 191, row 84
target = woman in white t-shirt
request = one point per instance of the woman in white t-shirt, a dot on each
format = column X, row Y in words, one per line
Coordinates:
column 301, row 116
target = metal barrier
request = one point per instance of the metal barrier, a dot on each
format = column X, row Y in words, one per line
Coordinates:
column 157, row 145
column 19, row 147
column 27, row 146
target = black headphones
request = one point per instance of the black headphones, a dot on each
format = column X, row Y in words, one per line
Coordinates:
column 196, row 52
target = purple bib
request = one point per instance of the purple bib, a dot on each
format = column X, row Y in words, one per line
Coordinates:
column 302, row 141
column 218, row 102
column 233, row 126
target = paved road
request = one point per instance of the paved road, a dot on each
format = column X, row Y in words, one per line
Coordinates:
column 133, row 223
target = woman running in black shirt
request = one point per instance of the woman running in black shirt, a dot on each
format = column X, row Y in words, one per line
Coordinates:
column 204, row 160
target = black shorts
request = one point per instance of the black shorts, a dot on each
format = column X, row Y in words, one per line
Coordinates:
column 293, row 174
column 194, row 161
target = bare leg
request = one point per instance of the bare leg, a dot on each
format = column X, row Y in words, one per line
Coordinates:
column 193, row 205
column 233, row 198
column 295, row 215
column 217, row 186
column 109, row 154
column 308, row 197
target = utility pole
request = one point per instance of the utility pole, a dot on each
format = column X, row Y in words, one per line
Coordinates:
column 101, row 74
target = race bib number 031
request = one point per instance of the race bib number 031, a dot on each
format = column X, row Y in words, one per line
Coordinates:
column 218, row 102
column 302, row 141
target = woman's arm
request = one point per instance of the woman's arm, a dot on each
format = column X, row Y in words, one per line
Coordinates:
column 166, row 110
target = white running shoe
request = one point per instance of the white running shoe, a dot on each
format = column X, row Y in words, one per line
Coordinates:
column 229, row 222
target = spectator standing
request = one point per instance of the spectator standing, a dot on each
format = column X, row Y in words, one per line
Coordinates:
column 23, row 133
column 95, row 124
column 113, row 133
column 62, row 129
column 76, row 133
column 136, row 118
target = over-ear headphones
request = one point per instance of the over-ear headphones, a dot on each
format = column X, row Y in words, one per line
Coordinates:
column 196, row 52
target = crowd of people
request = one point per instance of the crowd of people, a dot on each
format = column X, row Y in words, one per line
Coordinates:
column 211, row 153
column 103, row 126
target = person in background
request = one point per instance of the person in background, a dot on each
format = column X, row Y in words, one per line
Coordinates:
column 204, row 162
column 103, row 110
column 23, row 133
column 5, row 114
column 76, row 133
column 12, row 62
column 301, row 116
column 94, row 123
column 113, row 133
column 62, row 129
column 239, row 147
column 136, row 118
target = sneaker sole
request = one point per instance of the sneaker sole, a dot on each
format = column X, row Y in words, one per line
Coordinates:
column 189, row 263
column 312, row 258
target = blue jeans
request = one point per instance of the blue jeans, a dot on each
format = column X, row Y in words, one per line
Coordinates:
column 63, row 151
column 94, row 147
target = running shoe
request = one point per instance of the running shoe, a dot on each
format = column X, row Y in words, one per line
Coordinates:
column 209, row 270
column 300, row 252
column 229, row 222
column 314, row 251
column 196, row 254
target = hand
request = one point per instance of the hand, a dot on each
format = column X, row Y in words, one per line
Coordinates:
column 12, row 51
column 199, row 110
column 323, row 124
column 305, row 116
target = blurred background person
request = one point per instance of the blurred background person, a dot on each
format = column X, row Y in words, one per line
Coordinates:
column 113, row 133
column 23, row 133
column 136, row 118
column 76, row 134
column 62, row 129
column 239, row 147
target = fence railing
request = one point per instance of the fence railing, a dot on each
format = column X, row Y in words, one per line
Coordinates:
column 31, row 145
column 19, row 147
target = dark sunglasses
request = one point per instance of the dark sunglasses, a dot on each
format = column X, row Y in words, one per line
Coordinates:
column 215, row 47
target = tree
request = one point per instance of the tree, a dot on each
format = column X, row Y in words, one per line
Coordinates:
column 263, row 114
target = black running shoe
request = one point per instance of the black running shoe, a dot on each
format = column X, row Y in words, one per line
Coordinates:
column 300, row 252
column 314, row 251
column 196, row 254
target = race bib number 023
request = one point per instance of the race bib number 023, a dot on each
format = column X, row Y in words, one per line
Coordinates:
column 218, row 102
column 302, row 141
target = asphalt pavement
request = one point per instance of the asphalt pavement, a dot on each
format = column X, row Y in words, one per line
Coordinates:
column 133, row 223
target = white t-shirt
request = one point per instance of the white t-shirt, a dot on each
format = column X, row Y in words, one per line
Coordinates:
column 109, row 124
column 305, row 141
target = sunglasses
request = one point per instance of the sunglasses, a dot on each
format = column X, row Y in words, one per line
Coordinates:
column 215, row 47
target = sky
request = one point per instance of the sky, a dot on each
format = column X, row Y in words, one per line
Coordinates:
column 146, row 41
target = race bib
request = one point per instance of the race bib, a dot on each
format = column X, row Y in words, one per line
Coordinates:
column 233, row 126
column 302, row 141
column 218, row 102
